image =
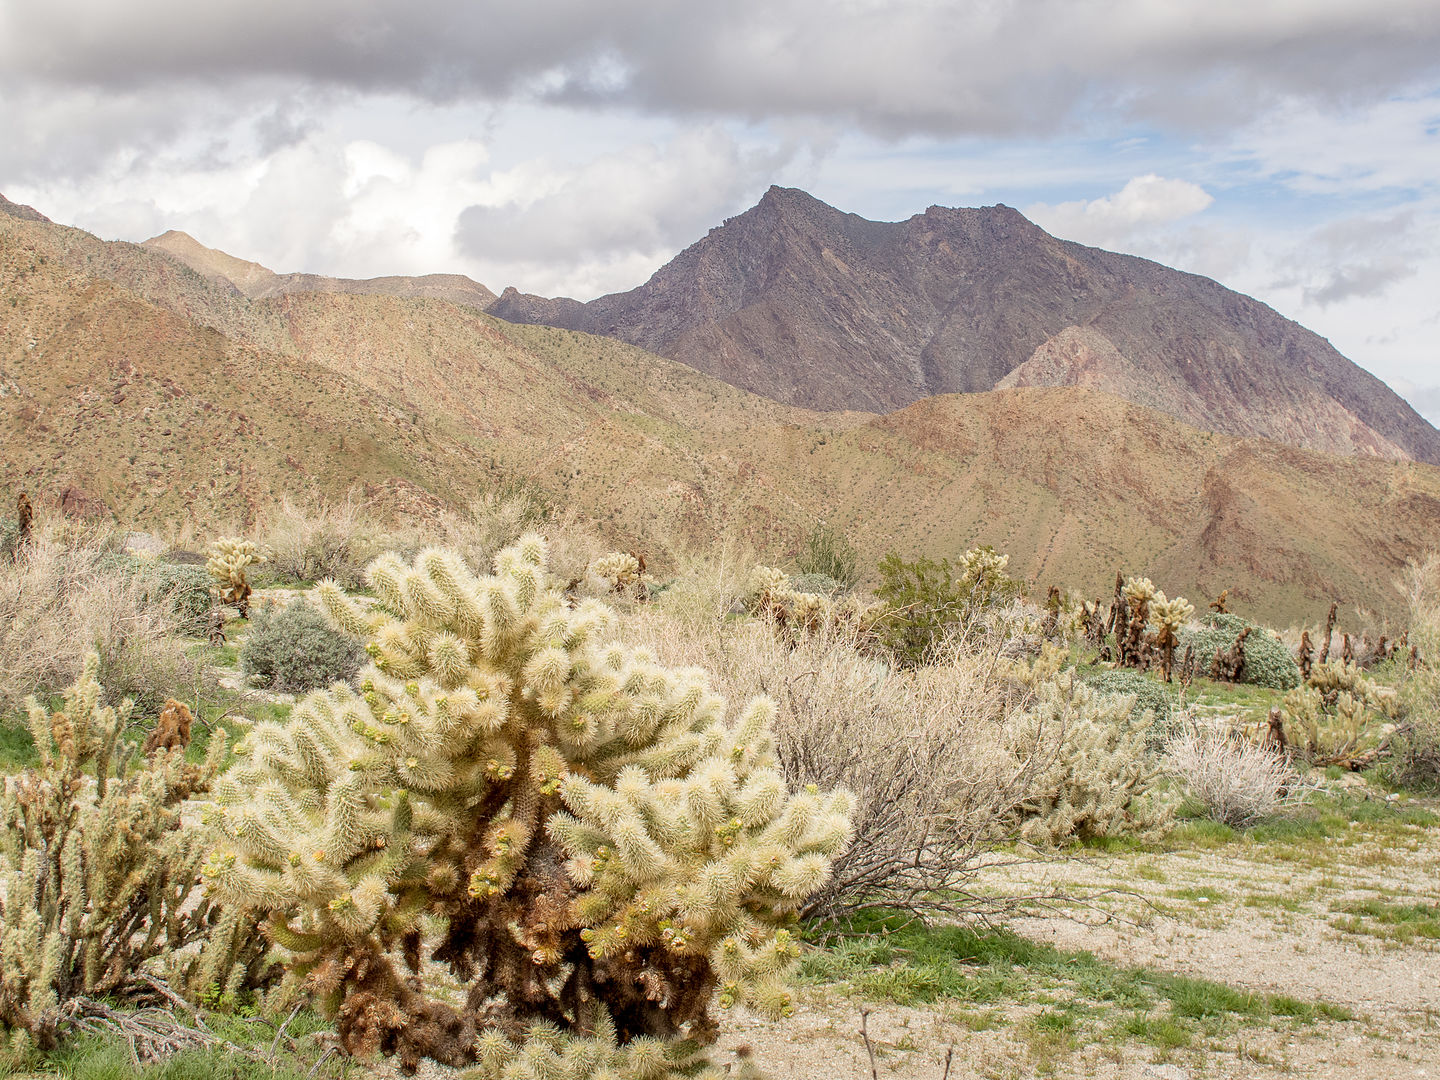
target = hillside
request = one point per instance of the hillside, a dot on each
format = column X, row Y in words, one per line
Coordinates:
column 132, row 385
column 257, row 282
column 804, row 304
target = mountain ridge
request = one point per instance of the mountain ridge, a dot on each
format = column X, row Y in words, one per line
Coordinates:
column 259, row 282
column 806, row 304
column 133, row 385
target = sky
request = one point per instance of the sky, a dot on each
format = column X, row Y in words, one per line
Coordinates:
column 1289, row 149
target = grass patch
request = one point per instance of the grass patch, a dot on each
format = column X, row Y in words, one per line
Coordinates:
column 97, row 1057
column 1393, row 922
column 17, row 747
column 888, row 959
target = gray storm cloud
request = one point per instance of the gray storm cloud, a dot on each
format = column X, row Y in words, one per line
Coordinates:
column 890, row 66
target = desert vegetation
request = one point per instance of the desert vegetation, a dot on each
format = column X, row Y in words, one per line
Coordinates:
column 474, row 791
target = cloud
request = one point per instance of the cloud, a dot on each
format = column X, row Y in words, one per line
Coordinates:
column 1423, row 399
column 890, row 66
column 642, row 202
column 1113, row 220
column 1357, row 257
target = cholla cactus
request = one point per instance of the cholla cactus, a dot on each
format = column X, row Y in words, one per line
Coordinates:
column 1097, row 779
column 772, row 596
column 230, row 556
column 1133, row 646
column 602, row 845
column 99, row 877
column 983, row 569
column 1167, row 617
column 619, row 572
column 1340, row 716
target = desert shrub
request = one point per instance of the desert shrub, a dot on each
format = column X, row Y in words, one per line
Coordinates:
column 186, row 590
column 1095, row 777
column 1150, row 696
column 923, row 753
column 101, row 882
column 1267, row 661
column 827, row 553
column 324, row 539
column 295, row 649
column 1236, row 782
column 931, row 601
column 819, row 584
column 60, row 601
column 606, row 852
column 1417, row 749
column 497, row 518
column 9, row 538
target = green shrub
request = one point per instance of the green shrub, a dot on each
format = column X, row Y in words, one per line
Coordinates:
column 828, row 554
column 295, row 649
column 1267, row 661
column 931, row 600
column 1148, row 693
column 822, row 584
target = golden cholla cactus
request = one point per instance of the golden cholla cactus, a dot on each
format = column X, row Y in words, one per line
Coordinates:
column 1167, row 617
column 99, row 881
column 230, row 557
column 589, row 825
column 619, row 572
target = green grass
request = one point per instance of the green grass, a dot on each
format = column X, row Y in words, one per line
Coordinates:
column 17, row 748
column 104, row 1057
column 1393, row 922
column 909, row 964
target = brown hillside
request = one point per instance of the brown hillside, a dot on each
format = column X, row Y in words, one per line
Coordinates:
column 127, row 403
column 802, row 303
column 257, row 282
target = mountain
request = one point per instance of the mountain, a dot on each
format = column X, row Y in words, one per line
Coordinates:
column 814, row 307
column 135, row 387
column 257, row 282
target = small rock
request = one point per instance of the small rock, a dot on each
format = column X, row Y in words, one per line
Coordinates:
column 1165, row 1072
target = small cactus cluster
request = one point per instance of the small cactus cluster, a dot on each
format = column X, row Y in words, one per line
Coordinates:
column 100, row 883
column 773, row 597
column 1339, row 716
column 620, row 573
column 608, row 854
column 230, row 557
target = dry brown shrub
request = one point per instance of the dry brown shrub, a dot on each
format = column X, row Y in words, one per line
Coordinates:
column 322, row 539
column 66, row 595
column 924, row 752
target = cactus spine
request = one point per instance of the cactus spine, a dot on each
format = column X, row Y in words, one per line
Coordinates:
column 606, row 851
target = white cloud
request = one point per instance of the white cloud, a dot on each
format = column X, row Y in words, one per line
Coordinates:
column 1115, row 220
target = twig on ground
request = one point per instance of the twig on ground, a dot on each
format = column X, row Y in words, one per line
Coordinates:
column 864, row 1034
column 281, row 1033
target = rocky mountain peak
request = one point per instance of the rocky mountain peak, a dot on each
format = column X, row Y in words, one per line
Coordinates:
column 811, row 306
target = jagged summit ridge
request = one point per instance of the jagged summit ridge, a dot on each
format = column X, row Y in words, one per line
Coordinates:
column 812, row 306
